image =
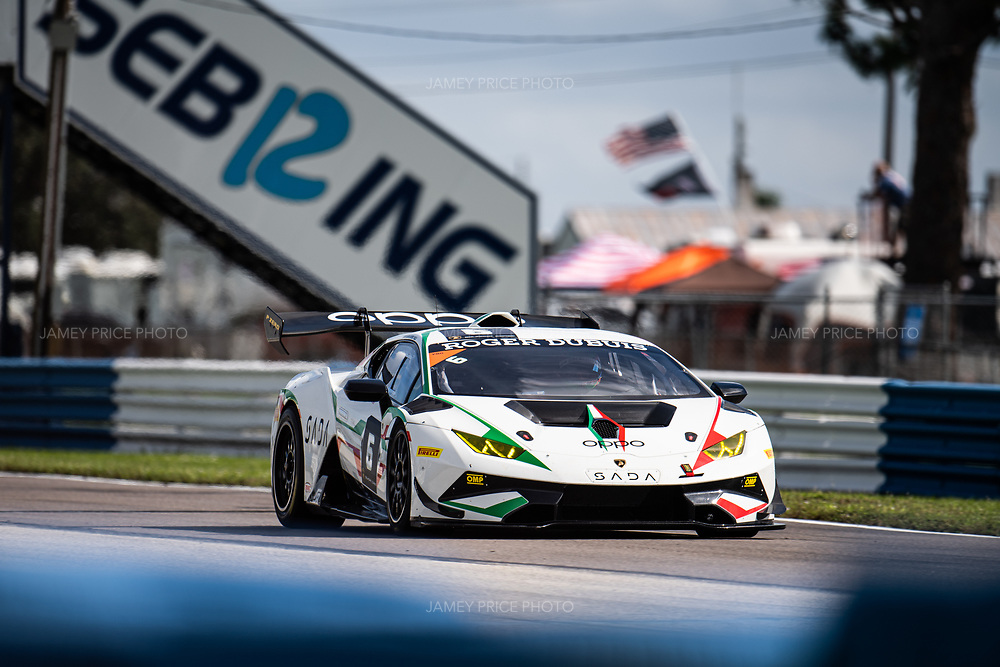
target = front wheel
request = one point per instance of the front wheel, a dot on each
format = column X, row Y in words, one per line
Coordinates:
column 399, row 483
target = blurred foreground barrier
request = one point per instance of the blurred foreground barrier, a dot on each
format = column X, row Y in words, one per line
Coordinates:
column 825, row 428
column 943, row 439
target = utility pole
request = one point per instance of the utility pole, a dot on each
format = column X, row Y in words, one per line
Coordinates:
column 890, row 113
column 742, row 178
column 62, row 40
column 888, row 234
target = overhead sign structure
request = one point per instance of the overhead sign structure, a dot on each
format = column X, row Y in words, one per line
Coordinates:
column 293, row 154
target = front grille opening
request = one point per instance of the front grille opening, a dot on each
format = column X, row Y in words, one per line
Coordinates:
column 608, row 504
column 606, row 428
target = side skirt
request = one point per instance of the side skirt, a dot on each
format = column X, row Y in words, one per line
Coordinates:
column 341, row 495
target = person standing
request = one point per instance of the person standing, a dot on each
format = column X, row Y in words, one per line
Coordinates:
column 892, row 189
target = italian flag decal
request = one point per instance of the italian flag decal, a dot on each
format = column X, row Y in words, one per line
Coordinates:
column 739, row 505
column 492, row 504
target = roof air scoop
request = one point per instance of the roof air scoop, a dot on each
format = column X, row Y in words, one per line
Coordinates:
column 499, row 319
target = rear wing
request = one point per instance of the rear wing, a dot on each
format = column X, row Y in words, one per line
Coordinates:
column 278, row 326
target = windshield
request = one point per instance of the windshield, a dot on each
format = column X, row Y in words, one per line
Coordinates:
column 557, row 368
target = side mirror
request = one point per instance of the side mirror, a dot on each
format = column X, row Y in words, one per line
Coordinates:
column 366, row 390
column 733, row 392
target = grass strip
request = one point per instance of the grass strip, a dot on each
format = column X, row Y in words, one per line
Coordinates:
column 943, row 515
column 950, row 515
column 188, row 468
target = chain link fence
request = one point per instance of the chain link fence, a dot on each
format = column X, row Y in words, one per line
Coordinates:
column 908, row 334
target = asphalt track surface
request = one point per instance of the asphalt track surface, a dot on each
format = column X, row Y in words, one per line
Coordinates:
column 791, row 585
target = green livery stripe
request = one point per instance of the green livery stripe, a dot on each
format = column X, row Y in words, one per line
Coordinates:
column 496, row 434
column 358, row 428
column 397, row 413
column 500, row 510
column 528, row 457
column 590, row 425
column 424, row 363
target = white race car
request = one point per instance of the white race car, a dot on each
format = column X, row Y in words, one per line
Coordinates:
column 514, row 420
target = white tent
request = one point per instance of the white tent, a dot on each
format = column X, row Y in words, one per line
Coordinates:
column 853, row 286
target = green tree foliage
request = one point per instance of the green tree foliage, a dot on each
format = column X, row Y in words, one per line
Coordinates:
column 896, row 46
column 99, row 213
column 938, row 43
column 767, row 199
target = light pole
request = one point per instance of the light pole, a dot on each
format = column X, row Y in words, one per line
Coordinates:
column 62, row 40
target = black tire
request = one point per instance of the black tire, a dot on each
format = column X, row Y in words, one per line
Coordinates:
column 286, row 472
column 732, row 532
column 399, row 482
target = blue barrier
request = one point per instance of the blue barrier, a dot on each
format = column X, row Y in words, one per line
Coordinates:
column 943, row 439
column 57, row 403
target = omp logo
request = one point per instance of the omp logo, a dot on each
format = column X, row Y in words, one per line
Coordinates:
column 613, row 444
column 475, row 478
column 749, row 481
column 430, row 452
column 408, row 319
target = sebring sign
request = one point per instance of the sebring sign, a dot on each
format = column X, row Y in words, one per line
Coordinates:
column 292, row 153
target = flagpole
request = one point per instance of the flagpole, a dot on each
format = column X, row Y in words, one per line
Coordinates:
column 702, row 163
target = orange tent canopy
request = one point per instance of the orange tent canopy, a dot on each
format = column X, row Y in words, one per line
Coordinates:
column 681, row 263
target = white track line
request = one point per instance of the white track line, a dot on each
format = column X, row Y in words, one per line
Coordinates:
column 260, row 489
column 135, row 482
column 894, row 530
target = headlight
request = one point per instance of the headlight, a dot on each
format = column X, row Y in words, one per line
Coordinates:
column 490, row 447
column 494, row 446
column 731, row 446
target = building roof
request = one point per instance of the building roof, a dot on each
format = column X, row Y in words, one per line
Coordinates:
column 668, row 228
column 730, row 276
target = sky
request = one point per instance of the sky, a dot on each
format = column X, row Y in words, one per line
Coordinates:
column 814, row 127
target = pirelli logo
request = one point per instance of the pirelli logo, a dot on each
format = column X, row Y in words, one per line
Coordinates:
column 430, row 452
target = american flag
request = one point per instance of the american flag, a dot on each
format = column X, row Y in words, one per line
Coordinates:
column 659, row 136
column 595, row 263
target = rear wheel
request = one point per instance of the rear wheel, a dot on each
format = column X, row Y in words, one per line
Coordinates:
column 286, row 472
column 399, row 483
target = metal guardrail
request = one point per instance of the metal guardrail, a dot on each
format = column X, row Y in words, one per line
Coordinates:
column 825, row 429
column 180, row 405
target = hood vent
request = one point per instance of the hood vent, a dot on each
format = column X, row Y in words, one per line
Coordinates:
column 574, row 413
column 605, row 428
